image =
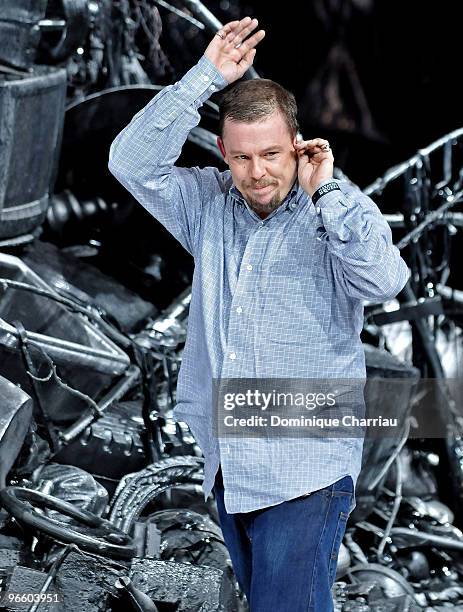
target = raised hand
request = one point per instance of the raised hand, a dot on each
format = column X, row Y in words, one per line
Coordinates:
column 230, row 51
column 315, row 163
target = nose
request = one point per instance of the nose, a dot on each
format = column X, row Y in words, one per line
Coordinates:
column 257, row 169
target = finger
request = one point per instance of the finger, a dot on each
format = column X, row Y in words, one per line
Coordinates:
column 314, row 153
column 231, row 25
column 303, row 146
column 251, row 42
column 247, row 60
column 308, row 151
column 319, row 142
column 313, row 147
column 300, row 144
column 313, row 142
column 317, row 156
column 245, row 31
column 243, row 24
column 225, row 30
column 316, row 140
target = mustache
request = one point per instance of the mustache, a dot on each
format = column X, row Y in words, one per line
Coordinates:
column 261, row 185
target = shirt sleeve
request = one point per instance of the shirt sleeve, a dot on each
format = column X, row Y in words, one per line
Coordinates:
column 143, row 154
column 367, row 263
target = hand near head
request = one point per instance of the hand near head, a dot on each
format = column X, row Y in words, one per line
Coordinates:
column 315, row 163
column 230, row 53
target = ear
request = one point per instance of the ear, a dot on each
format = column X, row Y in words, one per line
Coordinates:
column 221, row 147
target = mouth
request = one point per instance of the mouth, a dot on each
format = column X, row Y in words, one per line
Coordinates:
column 263, row 189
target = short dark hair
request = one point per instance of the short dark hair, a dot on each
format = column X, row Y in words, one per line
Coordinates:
column 255, row 100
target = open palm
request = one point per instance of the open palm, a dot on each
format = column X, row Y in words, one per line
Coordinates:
column 230, row 51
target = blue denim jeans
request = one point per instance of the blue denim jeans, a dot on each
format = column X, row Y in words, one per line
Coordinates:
column 285, row 556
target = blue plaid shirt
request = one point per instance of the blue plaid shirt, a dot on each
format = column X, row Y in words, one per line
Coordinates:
column 274, row 298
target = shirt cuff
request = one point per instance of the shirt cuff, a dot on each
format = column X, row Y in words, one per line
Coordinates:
column 218, row 79
column 200, row 82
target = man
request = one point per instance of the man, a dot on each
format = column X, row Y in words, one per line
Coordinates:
column 284, row 258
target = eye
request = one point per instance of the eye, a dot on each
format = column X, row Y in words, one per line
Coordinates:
column 241, row 157
column 271, row 153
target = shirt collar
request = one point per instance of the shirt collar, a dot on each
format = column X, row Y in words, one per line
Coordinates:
column 293, row 197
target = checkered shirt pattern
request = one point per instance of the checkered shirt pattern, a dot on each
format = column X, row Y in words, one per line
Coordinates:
column 275, row 298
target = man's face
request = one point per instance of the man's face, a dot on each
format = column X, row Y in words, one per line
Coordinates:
column 262, row 160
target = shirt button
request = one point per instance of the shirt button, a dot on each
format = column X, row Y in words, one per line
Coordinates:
column 206, row 79
column 249, row 267
column 239, row 310
column 212, row 88
column 261, row 224
column 317, row 210
column 292, row 205
column 232, row 355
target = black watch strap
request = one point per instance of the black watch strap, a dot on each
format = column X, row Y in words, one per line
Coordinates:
column 323, row 190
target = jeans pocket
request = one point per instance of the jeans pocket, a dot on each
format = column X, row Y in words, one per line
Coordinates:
column 339, row 534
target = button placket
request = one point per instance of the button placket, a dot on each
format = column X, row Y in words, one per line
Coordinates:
column 242, row 303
